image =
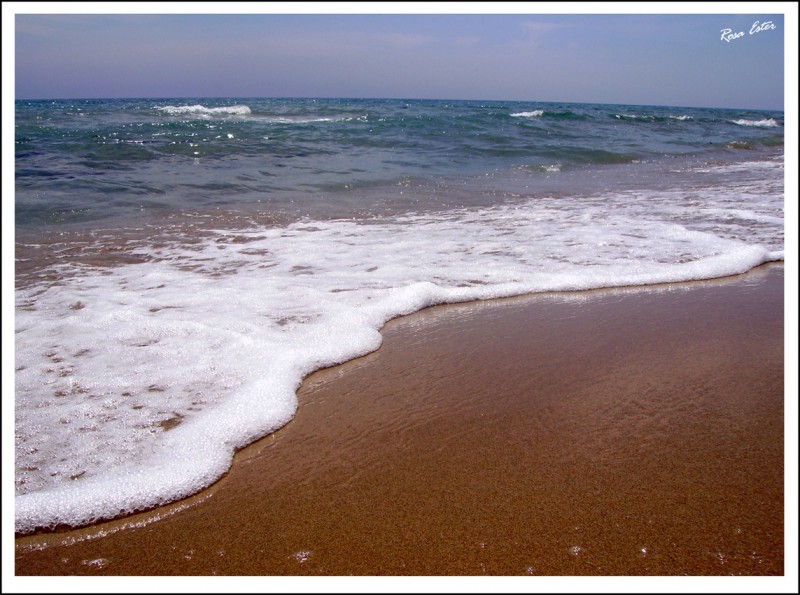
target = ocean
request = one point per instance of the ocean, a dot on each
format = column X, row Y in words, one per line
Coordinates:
column 182, row 264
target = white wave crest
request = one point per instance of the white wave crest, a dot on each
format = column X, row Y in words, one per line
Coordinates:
column 681, row 118
column 309, row 119
column 765, row 123
column 635, row 117
column 534, row 114
column 201, row 110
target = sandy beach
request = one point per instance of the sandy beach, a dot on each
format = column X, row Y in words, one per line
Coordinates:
column 613, row 432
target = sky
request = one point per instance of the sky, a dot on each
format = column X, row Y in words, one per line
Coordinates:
column 647, row 59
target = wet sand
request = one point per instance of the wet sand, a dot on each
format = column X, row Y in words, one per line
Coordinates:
column 632, row 432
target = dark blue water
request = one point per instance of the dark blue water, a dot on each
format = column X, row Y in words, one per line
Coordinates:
column 82, row 161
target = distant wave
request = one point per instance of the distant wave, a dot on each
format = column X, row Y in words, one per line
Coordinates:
column 765, row 123
column 639, row 118
column 649, row 117
column 634, row 117
column 534, row 114
column 309, row 119
column 201, row 110
column 555, row 115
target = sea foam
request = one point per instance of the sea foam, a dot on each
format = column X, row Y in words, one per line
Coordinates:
column 135, row 384
column 203, row 111
column 765, row 123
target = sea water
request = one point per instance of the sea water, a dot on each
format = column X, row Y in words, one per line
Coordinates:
column 182, row 264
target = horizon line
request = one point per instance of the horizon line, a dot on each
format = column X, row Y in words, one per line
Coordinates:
column 376, row 98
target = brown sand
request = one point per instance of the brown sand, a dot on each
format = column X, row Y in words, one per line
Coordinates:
column 634, row 432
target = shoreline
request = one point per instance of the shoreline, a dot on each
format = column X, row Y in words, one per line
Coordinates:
column 414, row 459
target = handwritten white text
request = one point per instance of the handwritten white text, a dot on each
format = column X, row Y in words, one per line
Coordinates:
column 729, row 35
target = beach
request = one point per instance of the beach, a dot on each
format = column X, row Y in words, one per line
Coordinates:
column 635, row 431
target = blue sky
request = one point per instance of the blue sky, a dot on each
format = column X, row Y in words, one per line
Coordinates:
column 663, row 59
